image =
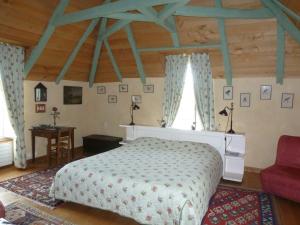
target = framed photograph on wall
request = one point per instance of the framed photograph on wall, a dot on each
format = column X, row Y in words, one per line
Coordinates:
column 101, row 90
column 227, row 93
column 265, row 92
column 287, row 100
column 72, row 95
column 123, row 87
column 112, row 99
column 136, row 99
column 149, row 88
column 40, row 108
column 245, row 99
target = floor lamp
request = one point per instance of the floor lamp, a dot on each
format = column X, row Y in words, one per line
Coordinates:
column 227, row 111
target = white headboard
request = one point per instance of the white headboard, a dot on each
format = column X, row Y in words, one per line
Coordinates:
column 215, row 139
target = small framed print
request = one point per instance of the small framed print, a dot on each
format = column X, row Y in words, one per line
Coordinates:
column 227, row 93
column 136, row 99
column 287, row 100
column 148, row 88
column 265, row 92
column 112, row 99
column 123, row 87
column 40, row 108
column 101, row 90
column 245, row 99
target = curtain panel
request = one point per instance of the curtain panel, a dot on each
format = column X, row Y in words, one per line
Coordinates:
column 203, row 87
column 11, row 71
column 174, row 82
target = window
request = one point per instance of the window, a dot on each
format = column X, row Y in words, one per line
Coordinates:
column 187, row 114
column 6, row 129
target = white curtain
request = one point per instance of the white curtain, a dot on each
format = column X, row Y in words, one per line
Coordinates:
column 174, row 82
column 11, row 71
column 203, row 87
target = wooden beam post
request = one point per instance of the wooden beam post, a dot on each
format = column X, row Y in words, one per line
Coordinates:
column 224, row 47
column 280, row 60
column 288, row 11
column 113, row 61
column 135, row 54
column 73, row 54
column 171, row 8
column 38, row 49
column 173, row 48
column 283, row 20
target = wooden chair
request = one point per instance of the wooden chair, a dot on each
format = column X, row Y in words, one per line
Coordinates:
column 62, row 145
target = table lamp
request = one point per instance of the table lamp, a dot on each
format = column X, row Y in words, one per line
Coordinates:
column 227, row 111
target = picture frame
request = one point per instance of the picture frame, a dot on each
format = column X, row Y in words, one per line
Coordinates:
column 72, row 95
column 40, row 93
column 40, row 108
column 265, row 92
column 136, row 99
column 123, row 87
column 287, row 100
column 227, row 92
column 245, row 99
column 148, row 88
column 101, row 90
column 112, row 99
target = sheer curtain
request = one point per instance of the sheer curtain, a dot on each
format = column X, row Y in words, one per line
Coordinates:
column 174, row 82
column 203, row 87
column 11, row 72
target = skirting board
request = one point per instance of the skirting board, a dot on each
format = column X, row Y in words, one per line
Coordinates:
column 252, row 169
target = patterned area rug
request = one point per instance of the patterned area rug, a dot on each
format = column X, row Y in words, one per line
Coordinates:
column 34, row 186
column 20, row 214
column 235, row 206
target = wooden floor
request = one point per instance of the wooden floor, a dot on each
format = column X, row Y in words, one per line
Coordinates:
column 288, row 211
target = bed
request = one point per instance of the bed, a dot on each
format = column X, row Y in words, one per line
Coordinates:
column 152, row 180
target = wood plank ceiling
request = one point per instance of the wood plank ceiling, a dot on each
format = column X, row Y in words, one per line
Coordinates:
column 252, row 43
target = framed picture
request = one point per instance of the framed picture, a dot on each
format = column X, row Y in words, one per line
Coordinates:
column 149, row 88
column 136, row 99
column 112, row 99
column 40, row 108
column 123, row 87
column 287, row 100
column 101, row 90
column 265, row 92
column 40, row 93
column 245, row 99
column 227, row 93
column 72, row 95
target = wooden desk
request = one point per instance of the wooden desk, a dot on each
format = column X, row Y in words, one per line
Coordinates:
column 49, row 133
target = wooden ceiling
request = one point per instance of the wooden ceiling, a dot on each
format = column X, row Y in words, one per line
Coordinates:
column 252, row 43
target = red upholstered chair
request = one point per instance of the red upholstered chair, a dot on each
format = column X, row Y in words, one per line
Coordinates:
column 283, row 178
column 2, row 210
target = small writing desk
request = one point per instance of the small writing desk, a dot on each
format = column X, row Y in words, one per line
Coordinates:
column 49, row 133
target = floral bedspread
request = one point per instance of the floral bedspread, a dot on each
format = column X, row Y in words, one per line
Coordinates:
column 151, row 180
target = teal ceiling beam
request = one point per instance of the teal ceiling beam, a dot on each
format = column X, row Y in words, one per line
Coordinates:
column 38, row 49
column 129, row 16
column 169, row 9
column 280, row 60
column 113, row 61
column 135, row 54
column 110, row 8
column 283, row 20
column 288, row 11
column 196, row 11
column 172, row 48
column 73, row 54
column 224, row 46
column 174, row 35
column 97, row 51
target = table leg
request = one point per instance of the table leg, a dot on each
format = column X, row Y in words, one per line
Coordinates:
column 48, row 151
column 33, row 146
column 72, row 145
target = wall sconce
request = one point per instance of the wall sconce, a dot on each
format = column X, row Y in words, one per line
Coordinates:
column 227, row 111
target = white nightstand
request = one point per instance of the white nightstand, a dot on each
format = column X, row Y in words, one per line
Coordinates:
column 234, row 157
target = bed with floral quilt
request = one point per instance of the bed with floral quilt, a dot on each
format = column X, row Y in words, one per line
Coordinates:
column 151, row 180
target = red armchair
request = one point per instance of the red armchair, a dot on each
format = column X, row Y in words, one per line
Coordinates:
column 2, row 210
column 283, row 178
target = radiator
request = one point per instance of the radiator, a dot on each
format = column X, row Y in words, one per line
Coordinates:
column 6, row 152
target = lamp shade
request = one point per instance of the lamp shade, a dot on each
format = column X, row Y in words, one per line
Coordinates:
column 223, row 112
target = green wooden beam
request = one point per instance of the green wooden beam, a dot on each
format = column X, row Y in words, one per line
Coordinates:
column 73, row 54
column 198, row 11
column 135, row 54
column 169, row 9
column 113, row 61
column 283, row 20
column 172, row 48
column 38, row 49
column 129, row 16
column 280, row 54
column 224, row 46
column 174, row 35
column 110, row 8
column 288, row 11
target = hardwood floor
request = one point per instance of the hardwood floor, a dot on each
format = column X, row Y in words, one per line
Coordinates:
column 288, row 211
